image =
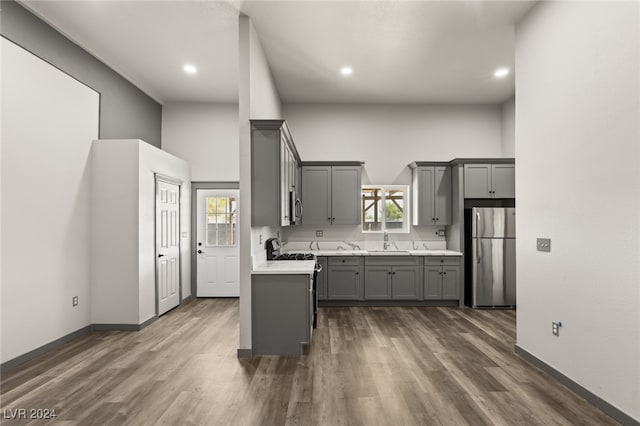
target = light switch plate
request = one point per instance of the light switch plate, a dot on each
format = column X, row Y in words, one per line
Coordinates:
column 319, row 233
column 543, row 244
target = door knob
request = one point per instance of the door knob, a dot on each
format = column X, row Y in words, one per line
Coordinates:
column 161, row 255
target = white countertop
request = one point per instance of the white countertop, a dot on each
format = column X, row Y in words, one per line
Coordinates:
column 383, row 253
column 285, row 267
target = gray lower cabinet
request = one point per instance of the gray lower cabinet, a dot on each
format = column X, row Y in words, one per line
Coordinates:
column 396, row 278
column 377, row 283
column 281, row 314
column 321, row 280
column 442, row 278
column 343, row 278
column 405, row 283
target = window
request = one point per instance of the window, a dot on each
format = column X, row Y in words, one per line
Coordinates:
column 384, row 208
column 222, row 221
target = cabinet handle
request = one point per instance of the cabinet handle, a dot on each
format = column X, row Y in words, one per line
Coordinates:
column 444, row 273
column 394, row 273
column 357, row 273
column 437, row 219
column 333, row 219
column 441, row 260
column 329, row 219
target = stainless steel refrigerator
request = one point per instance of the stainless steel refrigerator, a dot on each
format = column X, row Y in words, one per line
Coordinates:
column 493, row 247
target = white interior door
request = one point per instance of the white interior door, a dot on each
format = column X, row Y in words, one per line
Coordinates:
column 167, row 245
column 218, row 254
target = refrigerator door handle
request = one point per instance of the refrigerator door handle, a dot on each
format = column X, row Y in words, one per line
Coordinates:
column 478, row 246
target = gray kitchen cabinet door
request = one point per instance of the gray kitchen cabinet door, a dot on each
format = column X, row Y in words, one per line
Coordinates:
column 377, row 283
column 451, row 282
column 503, row 180
column 433, row 283
column 316, row 195
column 405, row 283
column 280, row 314
column 425, row 196
column 285, row 176
column 477, row 180
column 345, row 195
column 321, row 283
column 343, row 283
column 442, row 196
column 265, row 178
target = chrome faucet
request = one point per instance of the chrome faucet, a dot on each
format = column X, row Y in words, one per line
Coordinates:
column 414, row 245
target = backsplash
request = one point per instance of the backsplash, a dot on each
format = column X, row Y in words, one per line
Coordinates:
column 353, row 233
column 347, row 245
column 260, row 234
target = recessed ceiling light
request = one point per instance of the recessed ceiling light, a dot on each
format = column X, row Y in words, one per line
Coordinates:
column 346, row 71
column 501, row 72
column 190, row 69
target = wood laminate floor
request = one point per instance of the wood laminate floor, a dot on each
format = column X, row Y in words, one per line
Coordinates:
column 367, row 366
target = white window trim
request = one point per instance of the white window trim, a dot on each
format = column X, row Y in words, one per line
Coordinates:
column 405, row 200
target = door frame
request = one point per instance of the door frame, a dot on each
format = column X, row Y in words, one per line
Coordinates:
column 172, row 181
column 195, row 186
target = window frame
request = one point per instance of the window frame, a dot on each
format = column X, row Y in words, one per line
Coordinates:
column 383, row 221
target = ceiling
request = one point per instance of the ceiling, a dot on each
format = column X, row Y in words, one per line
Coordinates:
column 400, row 51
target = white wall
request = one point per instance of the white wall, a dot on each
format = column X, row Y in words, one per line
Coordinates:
column 508, row 111
column 258, row 99
column 114, row 233
column 123, row 230
column 578, row 183
column 48, row 122
column 205, row 135
column 389, row 137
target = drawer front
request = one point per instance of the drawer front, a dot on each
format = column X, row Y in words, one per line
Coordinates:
column 344, row 260
column 441, row 260
column 392, row 260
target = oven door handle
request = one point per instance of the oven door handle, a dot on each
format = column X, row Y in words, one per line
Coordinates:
column 318, row 268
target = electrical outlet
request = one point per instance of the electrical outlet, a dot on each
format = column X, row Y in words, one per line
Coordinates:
column 75, row 300
column 319, row 233
column 543, row 244
column 555, row 328
column 260, row 239
column 440, row 233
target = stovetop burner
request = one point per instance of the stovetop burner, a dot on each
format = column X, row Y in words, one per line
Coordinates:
column 295, row 256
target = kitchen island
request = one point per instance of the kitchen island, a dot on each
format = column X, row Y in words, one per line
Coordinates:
column 282, row 304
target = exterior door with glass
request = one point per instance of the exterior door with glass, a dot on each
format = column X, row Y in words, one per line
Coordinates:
column 217, row 251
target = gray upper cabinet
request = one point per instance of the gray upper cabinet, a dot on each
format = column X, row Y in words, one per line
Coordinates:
column 274, row 173
column 331, row 195
column 489, row 181
column 316, row 195
column 503, row 180
column 431, row 190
